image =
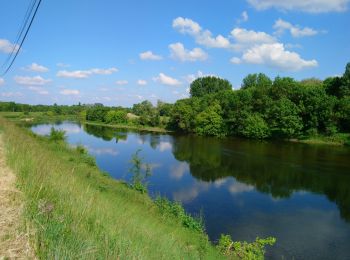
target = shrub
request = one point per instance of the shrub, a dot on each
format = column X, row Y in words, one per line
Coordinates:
column 244, row 250
column 175, row 208
column 57, row 135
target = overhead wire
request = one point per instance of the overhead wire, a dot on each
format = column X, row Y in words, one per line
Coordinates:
column 20, row 32
column 24, row 37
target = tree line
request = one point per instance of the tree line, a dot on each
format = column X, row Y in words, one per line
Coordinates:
column 261, row 108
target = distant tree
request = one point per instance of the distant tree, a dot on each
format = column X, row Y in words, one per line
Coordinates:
column 116, row 117
column 208, row 85
column 256, row 80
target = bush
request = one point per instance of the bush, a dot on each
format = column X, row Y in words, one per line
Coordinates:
column 244, row 250
column 176, row 209
column 57, row 135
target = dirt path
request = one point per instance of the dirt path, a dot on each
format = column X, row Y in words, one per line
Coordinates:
column 14, row 239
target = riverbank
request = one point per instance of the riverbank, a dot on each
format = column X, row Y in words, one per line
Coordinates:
column 339, row 139
column 14, row 234
column 78, row 212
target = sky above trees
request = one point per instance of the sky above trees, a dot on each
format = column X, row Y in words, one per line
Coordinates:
column 123, row 52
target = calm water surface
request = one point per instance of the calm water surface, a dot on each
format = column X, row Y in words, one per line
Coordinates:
column 298, row 193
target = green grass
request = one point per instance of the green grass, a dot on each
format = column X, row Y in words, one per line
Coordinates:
column 77, row 212
column 336, row 139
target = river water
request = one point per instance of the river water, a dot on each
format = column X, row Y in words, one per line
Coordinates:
column 298, row 193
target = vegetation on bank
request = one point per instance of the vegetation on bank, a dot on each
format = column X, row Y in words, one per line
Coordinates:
column 79, row 212
column 262, row 108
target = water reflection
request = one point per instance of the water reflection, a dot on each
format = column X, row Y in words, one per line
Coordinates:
column 278, row 169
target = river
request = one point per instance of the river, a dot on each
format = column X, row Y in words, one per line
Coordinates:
column 298, row 193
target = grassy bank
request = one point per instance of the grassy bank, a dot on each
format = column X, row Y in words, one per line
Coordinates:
column 338, row 139
column 77, row 212
column 41, row 117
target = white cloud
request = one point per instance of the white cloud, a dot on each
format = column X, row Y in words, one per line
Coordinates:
column 203, row 37
column 311, row 6
column 274, row 55
column 235, row 60
column 142, row 82
column 37, row 68
column 39, row 90
column 12, row 94
column 245, row 37
column 62, row 65
column 166, row 80
column 178, row 52
column 148, row 55
column 2, row 81
column 280, row 26
column 69, row 92
column 31, row 81
column 191, row 77
column 7, row 47
column 245, row 16
column 81, row 74
column 121, row 82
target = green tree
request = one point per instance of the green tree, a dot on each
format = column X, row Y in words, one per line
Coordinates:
column 210, row 122
column 208, row 85
column 256, row 80
column 255, row 127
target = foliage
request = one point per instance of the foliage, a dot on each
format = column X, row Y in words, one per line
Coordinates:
column 140, row 173
column 255, row 127
column 244, row 250
column 57, row 135
column 116, row 117
column 208, row 85
column 175, row 209
column 210, row 122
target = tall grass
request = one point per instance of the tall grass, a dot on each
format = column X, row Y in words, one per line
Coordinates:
column 79, row 213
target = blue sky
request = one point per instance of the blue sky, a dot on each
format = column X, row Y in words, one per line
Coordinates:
column 123, row 52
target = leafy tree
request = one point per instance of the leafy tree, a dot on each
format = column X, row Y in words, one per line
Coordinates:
column 96, row 113
column 256, row 80
column 255, row 127
column 208, row 85
column 210, row 122
column 284, row 119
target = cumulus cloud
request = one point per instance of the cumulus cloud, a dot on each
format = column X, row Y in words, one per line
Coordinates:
column 7, row 47
column 280, row 26
column 12, row 94
column 148, row 55
column 2, row 81
column 311, row 6
column 191, row 77
column 244, row 17
column 39, row 90
column 69, row 92
column 31, row 81
column 276, row 56
column 166, row 80
column 178, row 52
column 81, row 74
column 121, row 82
column 203, row 37
column 142, row 82
column 235, row 60
column 37, row 68
column 245, row 38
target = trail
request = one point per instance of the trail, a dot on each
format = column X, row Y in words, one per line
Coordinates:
column 14, row 239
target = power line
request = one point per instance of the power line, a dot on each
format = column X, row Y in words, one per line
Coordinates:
column 24, row 37
column 20, row 32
